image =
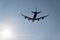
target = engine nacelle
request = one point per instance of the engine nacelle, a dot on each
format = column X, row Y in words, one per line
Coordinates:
column 38, row 19
column 28, row 19
column 25, row 17
column 42, row 17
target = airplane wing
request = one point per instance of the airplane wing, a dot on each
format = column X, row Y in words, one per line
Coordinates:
column 27, row 17
column 41, row 17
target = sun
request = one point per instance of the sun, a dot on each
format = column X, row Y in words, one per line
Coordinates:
column 6, row 32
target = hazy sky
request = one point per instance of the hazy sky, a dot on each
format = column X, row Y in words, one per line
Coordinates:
column 47, row 29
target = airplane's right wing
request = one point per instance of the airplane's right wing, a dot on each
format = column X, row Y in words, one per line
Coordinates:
column 41, row 17
column 27, row 17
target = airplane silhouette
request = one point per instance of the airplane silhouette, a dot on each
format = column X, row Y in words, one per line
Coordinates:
column 34, row 16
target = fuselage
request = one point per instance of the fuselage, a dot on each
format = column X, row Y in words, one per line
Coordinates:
column 34, row 17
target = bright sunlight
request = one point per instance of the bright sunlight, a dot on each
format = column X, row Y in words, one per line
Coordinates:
column 6, row 32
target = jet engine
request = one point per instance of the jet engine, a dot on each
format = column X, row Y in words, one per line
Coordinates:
column 28, row 19
column 38, row 19
column 25, row 17
column 42, row 17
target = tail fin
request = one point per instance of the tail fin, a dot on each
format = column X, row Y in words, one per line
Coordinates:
column 36, row 11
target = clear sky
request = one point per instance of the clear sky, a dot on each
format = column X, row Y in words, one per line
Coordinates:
column 47, row 29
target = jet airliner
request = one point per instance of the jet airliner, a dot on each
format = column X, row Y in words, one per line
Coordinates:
column 34, row 16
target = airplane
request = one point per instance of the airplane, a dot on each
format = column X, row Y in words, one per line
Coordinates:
column 34, row 16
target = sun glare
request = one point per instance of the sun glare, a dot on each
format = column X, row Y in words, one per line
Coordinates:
column 6, row 32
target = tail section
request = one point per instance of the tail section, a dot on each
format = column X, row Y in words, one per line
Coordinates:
column 36, row 12
column 35, row 9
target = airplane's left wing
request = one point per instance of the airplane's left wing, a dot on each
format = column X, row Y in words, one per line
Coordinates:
column 41, row 17
column 27, row 17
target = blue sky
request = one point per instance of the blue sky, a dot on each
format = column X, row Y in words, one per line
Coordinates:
column 47, row 29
